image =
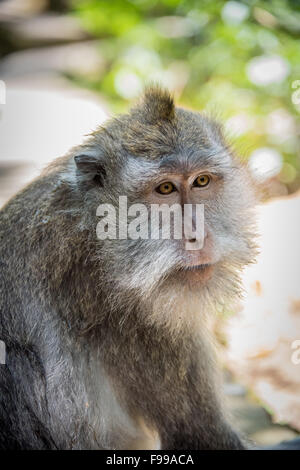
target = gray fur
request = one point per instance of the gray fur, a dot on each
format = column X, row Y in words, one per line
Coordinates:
column 106, row 347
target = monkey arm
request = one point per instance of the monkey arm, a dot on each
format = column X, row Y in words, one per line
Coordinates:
column 206, row 432
column 199, row 423
column 175, row 390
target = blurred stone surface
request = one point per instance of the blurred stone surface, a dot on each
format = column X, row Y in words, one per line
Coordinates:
column 251, row 419
column 255, row 423
column 43, row 29
column 21, row 8
column 83, row 58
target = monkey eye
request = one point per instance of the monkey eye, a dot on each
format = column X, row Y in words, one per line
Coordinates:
column 202, row 181
column 166, row 188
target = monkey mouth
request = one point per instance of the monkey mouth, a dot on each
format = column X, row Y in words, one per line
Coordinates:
column 197, row 267
column 199, row 273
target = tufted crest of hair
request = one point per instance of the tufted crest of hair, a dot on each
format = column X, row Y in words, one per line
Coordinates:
column 155, row 105
column 150, row 128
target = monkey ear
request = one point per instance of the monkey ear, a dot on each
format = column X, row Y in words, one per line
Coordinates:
column 90, row 169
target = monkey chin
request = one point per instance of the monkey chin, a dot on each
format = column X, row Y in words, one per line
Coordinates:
column 196, row 275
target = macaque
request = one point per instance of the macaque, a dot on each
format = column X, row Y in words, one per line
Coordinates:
column 108, row 344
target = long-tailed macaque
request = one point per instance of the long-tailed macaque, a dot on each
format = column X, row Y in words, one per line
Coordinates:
column 107, row 343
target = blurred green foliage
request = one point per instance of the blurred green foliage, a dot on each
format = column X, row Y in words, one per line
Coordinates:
column 240, row 59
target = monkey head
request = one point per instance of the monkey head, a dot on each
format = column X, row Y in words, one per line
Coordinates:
column 160, row 154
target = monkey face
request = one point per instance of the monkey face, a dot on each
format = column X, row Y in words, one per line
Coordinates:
column 144, row 266
column 220, row 186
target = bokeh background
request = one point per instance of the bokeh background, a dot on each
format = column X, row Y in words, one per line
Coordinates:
column 65, row 65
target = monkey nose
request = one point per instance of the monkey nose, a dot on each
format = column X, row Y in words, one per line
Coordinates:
column 193, row 239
